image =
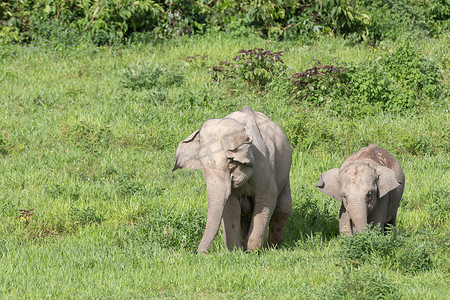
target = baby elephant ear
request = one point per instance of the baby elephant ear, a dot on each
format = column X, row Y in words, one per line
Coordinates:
column 187, row 153
column 329, row 184
column 386, row 180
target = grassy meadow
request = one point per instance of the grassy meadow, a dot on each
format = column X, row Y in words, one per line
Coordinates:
column 90, row 207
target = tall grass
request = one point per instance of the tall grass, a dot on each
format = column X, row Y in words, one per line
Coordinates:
column 88, row 138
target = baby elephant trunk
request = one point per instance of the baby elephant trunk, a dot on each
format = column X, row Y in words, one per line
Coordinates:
column 358, row 215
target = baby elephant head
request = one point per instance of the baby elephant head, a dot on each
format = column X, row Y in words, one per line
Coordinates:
column 360, row 187
column 222, row 149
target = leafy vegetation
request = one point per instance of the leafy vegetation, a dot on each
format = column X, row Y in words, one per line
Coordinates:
column 113, row 21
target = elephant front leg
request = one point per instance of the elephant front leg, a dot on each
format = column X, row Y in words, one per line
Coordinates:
column 231, row 223
column 345, row 226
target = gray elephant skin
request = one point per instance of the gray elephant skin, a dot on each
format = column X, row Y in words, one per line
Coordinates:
column 369, row 184
column 245, row 159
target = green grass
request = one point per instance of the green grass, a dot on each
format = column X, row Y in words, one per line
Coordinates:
column 90, row 148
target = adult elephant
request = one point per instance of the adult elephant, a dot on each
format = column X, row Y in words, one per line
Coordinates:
column 245, row 159
column 370, row 184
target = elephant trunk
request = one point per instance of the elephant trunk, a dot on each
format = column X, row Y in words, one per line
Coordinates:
column 358, row 215
column 218, row 190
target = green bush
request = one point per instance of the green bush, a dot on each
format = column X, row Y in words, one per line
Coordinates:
column 318, row 84
column 113, row 21
column 102, row 21
column 359, row 247
column 110, row 21
column 396, row 82
column 258, row 67
column 255, row 67
column 393, row 19
column 277, row 19
column 392, row 248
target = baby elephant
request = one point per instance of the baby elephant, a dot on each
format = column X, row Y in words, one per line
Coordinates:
column 370, row 184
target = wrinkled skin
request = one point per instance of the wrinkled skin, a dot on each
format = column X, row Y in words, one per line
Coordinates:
column 245, row 159
column 369, row 184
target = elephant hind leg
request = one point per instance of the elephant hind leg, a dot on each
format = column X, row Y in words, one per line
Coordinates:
column 246, row 220
column 280, row 216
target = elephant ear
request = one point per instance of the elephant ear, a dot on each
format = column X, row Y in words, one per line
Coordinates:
column 329, row 184
column 243, row 153
column 187, row 153
column 386, row 180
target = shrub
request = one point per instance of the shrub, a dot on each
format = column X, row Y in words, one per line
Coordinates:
column 367, row 90
column 256, row 67
column 102, row 21
column 290, row 19
column 397, row 82
column 317, row 84
column 392, row 19
column 393, row 249
column 416, row 79
column 361, row 246
column 110, row 21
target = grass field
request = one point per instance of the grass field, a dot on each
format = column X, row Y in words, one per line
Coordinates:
column 87, row 145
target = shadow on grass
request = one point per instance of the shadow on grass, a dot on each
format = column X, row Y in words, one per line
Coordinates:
column 310, row 217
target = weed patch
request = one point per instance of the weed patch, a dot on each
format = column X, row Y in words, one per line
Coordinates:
column 85, row 216
column 169, row 228
column 89, row 137
column 149, row 76
column 393, row 249
column 363, row 283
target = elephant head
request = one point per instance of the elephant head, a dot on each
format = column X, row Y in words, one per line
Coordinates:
column 359, row 187
column 222, row 149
